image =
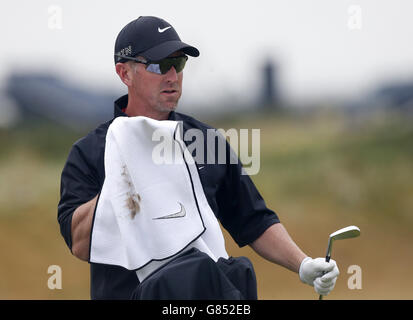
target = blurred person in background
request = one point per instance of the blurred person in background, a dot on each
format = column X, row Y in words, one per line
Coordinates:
column 149, row 60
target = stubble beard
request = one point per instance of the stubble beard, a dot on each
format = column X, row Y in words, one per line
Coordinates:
column 162, row 107
column 167, row 106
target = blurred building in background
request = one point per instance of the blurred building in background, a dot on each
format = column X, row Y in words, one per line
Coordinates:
column 392, row 96
column 397, row 96
column 44, row 97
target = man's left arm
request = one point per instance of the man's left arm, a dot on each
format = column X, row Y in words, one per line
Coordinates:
column 276, row 245
column 244, row 214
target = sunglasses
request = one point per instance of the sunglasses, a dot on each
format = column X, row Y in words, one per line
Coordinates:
column 162, row 66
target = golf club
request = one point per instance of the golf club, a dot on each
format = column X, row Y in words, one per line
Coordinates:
column 344, row 233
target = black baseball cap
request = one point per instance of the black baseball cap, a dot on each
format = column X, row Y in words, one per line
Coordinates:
column 150, row 37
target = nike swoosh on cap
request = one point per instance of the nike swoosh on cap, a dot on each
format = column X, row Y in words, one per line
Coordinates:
column 179, row 214
column 164, row 29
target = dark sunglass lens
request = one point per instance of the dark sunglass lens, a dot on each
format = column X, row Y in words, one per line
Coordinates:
column 178, row 63
column 165, row 65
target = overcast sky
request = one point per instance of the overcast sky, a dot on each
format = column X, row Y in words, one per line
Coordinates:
column 322, row 46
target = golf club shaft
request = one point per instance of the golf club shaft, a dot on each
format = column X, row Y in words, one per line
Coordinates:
column 327, row 260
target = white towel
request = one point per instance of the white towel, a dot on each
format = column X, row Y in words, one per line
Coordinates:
column 148, row 212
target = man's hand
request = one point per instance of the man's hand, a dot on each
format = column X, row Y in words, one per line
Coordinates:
column 320, row 274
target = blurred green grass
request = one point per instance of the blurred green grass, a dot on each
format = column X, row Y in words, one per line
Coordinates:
column 319, row 172
column 333, row 159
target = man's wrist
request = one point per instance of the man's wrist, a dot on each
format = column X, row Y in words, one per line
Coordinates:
column 300, row 273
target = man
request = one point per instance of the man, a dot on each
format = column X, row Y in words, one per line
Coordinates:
column 149, row 60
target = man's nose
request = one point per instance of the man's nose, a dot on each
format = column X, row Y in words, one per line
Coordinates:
column 171, row 75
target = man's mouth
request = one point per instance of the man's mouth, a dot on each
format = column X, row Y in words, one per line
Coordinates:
column 171, row 91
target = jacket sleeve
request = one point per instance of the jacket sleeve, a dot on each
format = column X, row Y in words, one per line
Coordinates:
column 243, row 212
column 79, row 184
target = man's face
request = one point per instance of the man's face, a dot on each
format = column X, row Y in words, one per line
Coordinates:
column 160, row 92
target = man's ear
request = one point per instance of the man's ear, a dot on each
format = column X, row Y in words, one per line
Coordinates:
column 124, row 72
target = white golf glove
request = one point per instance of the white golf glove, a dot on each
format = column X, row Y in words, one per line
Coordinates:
column 320, row 274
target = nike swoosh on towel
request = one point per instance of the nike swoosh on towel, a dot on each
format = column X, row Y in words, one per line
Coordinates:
column 179, row 214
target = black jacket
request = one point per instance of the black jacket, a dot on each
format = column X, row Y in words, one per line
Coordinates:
column 232, row 196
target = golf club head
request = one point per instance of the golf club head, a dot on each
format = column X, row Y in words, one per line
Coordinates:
column 344, row 233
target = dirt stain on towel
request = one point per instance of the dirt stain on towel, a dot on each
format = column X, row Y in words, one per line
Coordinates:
column 133, row 198
column 132, row 202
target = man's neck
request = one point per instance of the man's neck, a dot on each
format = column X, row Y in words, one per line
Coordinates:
column 134, row 109
column 132, row 112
